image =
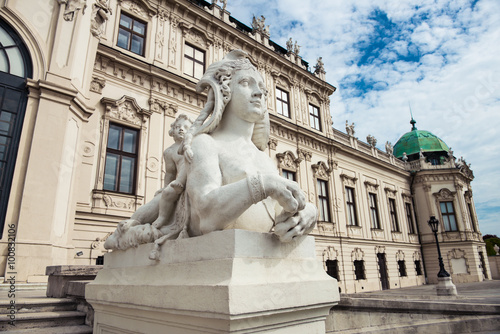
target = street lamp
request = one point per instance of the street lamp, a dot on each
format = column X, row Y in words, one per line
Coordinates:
column 434, row 224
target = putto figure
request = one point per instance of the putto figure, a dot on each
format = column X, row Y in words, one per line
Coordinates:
column 231, row 183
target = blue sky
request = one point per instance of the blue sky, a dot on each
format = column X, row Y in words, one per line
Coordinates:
column 440, row 56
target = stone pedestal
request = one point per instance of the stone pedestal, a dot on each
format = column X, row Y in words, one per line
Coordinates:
column 231, row 281
column 445, row 287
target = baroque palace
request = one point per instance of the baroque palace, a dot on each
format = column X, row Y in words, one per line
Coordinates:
column 89, row 89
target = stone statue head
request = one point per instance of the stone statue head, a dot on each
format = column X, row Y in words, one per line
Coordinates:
column 217, row 78
column 179, row 127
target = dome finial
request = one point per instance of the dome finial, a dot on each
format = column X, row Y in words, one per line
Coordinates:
column 412, row 122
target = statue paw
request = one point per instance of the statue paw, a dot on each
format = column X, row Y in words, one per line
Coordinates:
column 154, row 255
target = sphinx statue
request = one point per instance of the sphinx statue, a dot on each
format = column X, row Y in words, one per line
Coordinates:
column 226, row 181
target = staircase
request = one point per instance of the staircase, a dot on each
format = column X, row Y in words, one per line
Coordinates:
column 38, row 314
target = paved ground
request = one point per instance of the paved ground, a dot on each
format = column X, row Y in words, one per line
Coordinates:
column 487, row 292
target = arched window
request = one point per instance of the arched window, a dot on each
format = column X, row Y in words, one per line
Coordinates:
column 15, row 67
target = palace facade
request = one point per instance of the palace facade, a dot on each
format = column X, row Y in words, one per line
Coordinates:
column 89, row 90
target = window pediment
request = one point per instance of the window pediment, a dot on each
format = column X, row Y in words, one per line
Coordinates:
column 288, row 161
column 321, row 170
column 371, row 187
column 445, row 194
column 125, row 110
column 357, row 254
column 138, row 7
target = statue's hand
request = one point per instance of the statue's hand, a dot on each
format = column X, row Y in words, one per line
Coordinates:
column 286, row 192
column 301, row 223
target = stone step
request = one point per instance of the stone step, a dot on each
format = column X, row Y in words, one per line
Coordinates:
column 475, row 324
column 40, row 304
column 80, row 329
column 43, row 319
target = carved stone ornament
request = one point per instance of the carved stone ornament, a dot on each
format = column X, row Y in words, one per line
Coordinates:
column 321, row 170
column 407, row 196
column 97, row 84
column 400, row 255
column 371, row 187
column 330, row 253
column 138, row 7
column 348, row 180
column 72, row 7
column 379, row 249
column 390, row 191
column 273, row 143
column 126, row 110
column 242, row 179
column 417, row 256
column 304, row 154
column 357, row 254
column 444, row 194
column 100, row 14
column 288, row 161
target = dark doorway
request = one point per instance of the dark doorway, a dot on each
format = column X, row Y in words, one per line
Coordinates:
column 382, row 267
column 15, row 67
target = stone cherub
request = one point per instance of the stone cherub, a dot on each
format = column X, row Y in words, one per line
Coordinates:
column 152, row 220
column 231, row 183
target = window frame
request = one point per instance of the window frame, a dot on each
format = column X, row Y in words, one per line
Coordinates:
column 193, row 60
column 335, row 268
column 359, row 270
column 374, row 214
column 418, row 268
column 447, row 215
column 323, row 200
column 393, row 215
column 402, row 268
column 314, row 120
column 409, row 218
column 287, row 173
column 351, row 214
column 120, row 153
column 280, row 101
column 132, row 33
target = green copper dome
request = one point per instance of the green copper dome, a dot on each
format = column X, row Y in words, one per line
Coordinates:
column 411, row 142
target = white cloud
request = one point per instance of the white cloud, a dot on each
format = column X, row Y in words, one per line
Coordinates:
column 454, row 89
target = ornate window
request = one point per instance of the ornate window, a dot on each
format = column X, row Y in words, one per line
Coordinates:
column 314, row 118
column 282, row 104
column 418, row 268
column 288, row 175
column 323, row 200
column 374, row 211
column 402, row 268
column 359, row 269
column 448, row 214
column 121, row 159
column 194, row 61
column 332, row 268
column 409, row 218
column 393, row 214
column 131, row 34
column 351, row 207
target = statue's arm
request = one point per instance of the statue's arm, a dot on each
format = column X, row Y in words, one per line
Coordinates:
column 170, row 166
column 216, row 204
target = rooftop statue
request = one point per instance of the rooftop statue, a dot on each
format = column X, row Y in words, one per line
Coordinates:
column 230, row 182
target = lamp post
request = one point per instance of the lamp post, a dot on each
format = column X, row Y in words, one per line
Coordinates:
column 434, row 224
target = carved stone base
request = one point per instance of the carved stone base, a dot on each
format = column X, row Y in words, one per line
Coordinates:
column 445, row 287
column 231, row 281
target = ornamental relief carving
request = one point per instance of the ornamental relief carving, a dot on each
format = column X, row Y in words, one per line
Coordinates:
column 135, row 8
column 371, row 187
column 390, row 192
column 400, row 255
column 407, row 196
column 330, row 253
column 357, row 254
column 273, row 143
column 445, row 194
column 417, row 256
column 325, row 228
column 126, row 110
column 379, row 249
column 321, row 170
column 288, row 161
column 304, row 154
column 348, row 180
column 97, row 84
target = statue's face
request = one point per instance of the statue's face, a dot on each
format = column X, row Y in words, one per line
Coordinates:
column 180, row 128
column 248, row 98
